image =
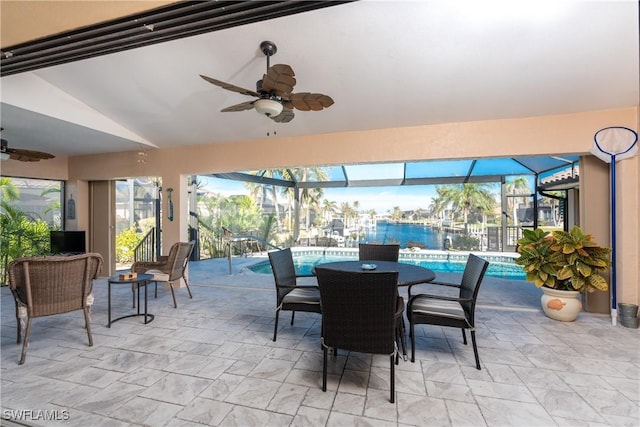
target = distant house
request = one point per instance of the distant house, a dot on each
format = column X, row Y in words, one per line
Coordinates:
column 335, row 226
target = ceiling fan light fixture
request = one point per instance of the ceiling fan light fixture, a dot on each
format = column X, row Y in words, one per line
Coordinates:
column 268, row 107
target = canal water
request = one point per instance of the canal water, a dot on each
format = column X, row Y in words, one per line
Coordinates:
column 404, row 234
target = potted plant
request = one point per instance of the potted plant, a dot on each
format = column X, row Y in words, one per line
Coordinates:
column 564, row 264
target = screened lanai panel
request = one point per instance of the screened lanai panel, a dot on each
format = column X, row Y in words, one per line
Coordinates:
column 425, row 172
column 506, row 166
column 327, row 173
column 437, row 169
column 547, row 163
column 376, row 171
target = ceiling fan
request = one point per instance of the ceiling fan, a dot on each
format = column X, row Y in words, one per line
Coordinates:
column 273, row 92
column 21, row 154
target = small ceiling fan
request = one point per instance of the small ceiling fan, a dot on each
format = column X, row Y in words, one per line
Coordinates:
column 273, row 92
column 20, row 154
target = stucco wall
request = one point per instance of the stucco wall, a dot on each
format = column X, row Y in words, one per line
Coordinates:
column 561, row 134
column 56, row 168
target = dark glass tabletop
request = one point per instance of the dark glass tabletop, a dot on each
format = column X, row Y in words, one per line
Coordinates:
column 408, row 274
column 140, row 278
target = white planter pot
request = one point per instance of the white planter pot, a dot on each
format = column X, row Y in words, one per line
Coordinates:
column 561, row 305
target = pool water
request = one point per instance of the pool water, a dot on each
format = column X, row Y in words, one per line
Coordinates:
column 305, row 263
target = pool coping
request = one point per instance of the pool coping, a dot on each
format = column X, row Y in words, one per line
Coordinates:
column 412, row 254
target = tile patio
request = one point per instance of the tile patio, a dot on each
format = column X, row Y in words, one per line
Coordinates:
column 211, row 361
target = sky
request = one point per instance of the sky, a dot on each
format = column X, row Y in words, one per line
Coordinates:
column 381, row 199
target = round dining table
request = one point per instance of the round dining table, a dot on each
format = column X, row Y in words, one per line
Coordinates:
column 408, row 274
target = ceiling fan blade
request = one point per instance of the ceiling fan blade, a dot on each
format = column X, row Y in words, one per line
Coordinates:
column 228, row 86
column 279, row 79
column 248, row 105
column 285, row 117
column 306, row 101
column 28, row 155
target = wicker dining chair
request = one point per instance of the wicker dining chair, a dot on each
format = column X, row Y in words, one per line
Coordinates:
column 385, row 252
column 44, row 286
column 359, row 314
column 378, row 252
column 168, row 269
column 457, row 312
column 289, row 295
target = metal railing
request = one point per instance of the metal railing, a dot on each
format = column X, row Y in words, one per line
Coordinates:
column 146, row 249
column 244, row 241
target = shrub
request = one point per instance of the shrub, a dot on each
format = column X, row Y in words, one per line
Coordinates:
column 126, row 242
column 466, row 242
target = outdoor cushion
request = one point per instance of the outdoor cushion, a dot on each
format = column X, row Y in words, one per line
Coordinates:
column 22, row 308
column 302, row 296
column 158, row 275
column 437, row 307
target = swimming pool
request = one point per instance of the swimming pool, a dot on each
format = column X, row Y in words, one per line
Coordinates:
column 500, row 265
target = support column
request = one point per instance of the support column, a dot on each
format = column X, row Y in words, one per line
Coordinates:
column 102, row 219
column 628, row 227
column 175, row 230
column 595, row 219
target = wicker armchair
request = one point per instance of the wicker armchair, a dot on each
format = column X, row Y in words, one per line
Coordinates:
column 376, row 252
column 169, row 268
column 457, row 312
column 359, row 314
column 290, row 295
column 44, row 286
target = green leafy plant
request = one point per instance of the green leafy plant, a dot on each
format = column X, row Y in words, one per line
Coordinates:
column 22, row 235
column 466, row 242
column 126, row 242
column 570, row 261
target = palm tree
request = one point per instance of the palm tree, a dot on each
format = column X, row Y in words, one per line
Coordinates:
column 346, row 209
column 8, row 191
column 329, row 207
column 308, row 198
column 468, row 196
column 372, row 214
column 396, row 213
column 518, row 185
column 438, row 204
column 257, row 191
column 55, row 206
column 272, row 189
column 22, row 235
column 356, row 212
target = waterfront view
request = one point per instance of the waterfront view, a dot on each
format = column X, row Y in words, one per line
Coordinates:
column 405, row 235
column 469, row 216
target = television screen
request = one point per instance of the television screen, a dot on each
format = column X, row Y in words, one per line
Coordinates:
column 67, row 242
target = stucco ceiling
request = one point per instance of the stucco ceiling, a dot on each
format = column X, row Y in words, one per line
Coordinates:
column 385, row 64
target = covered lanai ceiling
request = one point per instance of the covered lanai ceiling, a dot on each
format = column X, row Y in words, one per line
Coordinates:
column 386, row 64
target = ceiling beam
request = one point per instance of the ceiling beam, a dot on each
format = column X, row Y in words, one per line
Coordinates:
column 178, row 20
